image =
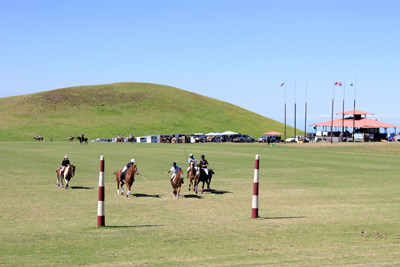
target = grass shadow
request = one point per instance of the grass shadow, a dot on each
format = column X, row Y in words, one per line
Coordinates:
column 145, row 195
column 282, row 218
column 193, row 196
column 82, row 187
column 217, row 192
column 134, row 226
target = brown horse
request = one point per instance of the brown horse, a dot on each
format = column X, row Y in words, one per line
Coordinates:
column 82, row 140
column 129, row 179
column 176, row 183
column 38, row 138
column 192, row 175
column 69, row 172
column 70, row 138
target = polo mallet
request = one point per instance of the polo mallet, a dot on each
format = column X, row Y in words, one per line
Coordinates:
column 143, row 177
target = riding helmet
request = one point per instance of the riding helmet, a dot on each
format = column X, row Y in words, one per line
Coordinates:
column 190, row 155
column 202, row 156
column 133, row 160
column 173, row 163
column 66, row 156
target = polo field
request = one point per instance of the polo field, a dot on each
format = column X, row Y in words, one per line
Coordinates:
column 319, row 205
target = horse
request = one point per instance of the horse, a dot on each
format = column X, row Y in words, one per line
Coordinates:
column 71, row 138
column 129, row 179
column 176, row 183
column 38, row 138
column 201, row 176
column 82, row 140
column 192, row 175
column 69, row 172
column 120, row 139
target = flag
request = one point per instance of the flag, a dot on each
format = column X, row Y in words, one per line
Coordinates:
column 282, row 84
column 338, row 83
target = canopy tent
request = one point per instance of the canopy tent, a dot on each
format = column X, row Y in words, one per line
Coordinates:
column 273, row 133
column 228, row 133
column 213, row 134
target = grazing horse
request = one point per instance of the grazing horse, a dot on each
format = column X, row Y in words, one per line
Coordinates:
column 82, row 140
column 192, row 175
column 69, row 172
column 176, row 183
column 201, row 176
column 38, row 138
column 129, row 179
column 71, row 138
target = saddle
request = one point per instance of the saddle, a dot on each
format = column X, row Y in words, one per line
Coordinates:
column 62, row 173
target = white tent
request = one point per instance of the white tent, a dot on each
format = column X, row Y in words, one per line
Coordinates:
column 228, row 133
column 214, row 134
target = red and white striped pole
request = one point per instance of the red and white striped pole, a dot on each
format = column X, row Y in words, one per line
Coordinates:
column 254, row 211
column 100, row 206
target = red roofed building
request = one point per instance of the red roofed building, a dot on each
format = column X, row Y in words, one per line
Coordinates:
column 361, row 124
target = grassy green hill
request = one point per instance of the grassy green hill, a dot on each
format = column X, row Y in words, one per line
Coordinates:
column 104, row 111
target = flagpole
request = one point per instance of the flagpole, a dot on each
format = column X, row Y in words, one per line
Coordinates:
column 344, row 89
column 354, row 108
column 285, row 116
column 333, row 96
column 305, row 116
column 295, row 110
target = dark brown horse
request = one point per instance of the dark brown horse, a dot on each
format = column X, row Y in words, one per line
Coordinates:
column 82, row 140
column 129, row 179
column 176, row 183
column 69, row 172
column 192, row 175
column 201, row 176
column 38, row 138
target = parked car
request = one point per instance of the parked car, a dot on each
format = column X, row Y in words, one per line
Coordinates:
column 272, row 139
column 243, row 138
column 291, row 139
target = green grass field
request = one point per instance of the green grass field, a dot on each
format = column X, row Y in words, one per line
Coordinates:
column 105, row 111
column 320, row 205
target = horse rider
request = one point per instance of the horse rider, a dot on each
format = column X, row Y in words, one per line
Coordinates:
column 190, row 159
column 175, row 169
column 65, row 162
column 203, row 164
column 126, row 167
column 83, row 137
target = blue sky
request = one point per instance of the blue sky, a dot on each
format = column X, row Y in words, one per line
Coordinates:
column 235, row 51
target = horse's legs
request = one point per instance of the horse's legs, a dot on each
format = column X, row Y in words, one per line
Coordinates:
column 118, row 187
column 129, row 190
column 122, row 189
column 179, row 191
column 66, row 184
column 174, row 193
